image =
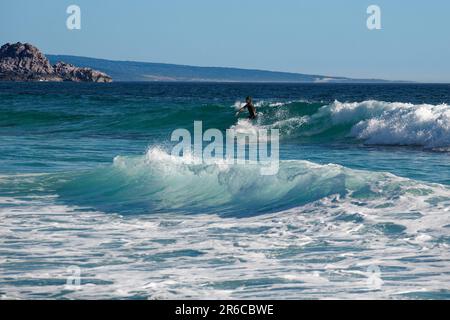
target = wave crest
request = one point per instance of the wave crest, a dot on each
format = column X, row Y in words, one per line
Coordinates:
column 159, row 182
column 373, row 122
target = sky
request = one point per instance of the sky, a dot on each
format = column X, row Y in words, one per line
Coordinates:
column 325, row 37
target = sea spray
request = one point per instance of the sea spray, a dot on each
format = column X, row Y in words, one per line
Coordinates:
column 258, row 147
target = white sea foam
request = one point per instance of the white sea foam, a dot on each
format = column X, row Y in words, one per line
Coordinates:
column 267, row 103
column 395, row 123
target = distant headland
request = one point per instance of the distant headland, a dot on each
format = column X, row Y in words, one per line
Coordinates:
column 150, row 71
column 24, row 62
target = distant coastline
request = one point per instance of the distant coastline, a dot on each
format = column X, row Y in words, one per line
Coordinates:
column 148, row 71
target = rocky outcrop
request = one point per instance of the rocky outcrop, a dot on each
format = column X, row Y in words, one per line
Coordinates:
column 24, row 62
column 69, row 72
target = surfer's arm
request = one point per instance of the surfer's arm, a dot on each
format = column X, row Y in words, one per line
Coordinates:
column 240, row 110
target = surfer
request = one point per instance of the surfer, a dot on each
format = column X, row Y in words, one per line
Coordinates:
column 250, row 107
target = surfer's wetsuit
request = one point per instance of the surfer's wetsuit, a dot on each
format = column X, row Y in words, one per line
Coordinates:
column 251, row 110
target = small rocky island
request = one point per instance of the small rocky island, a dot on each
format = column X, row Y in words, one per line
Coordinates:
column 24, row 62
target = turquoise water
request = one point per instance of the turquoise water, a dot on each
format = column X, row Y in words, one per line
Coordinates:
column 358, row 209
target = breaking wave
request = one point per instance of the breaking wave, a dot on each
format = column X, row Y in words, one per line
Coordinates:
column 159, row 182
column 373, row 122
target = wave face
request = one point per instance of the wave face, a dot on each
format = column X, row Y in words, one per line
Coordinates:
column 159, row 182
column 373, row 122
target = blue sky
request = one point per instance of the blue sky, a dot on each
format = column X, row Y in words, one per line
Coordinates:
column 326, row 37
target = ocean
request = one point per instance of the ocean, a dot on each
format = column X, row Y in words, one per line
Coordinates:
column 94, row 206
